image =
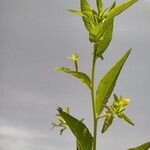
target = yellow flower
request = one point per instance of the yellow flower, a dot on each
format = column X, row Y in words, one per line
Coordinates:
column 125, row 102
column 74, row 57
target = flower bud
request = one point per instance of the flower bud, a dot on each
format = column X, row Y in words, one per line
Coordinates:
column 125, row 101
column 75, row 58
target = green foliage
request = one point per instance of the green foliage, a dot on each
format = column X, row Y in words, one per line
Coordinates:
column 125, row 118
column 91, row 21
column 79, row 130
column 107, row 123
column 76, row 12
column 120, row 8
column 105, row 38
column 107, row 84
column 99, row 5
column 144, row 146
column 107, row 24
column 81, row 76
column 85, row 6
column 99, row 25
column 113, row 6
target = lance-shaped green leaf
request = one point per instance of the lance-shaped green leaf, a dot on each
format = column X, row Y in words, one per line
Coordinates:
column 113, row 6
column 107, row 84
column 90, row 20
column 106, row 37
column 120, row 8
column 77, row 12
column 88, row 14
column 125, row 118
column 79, row 130
column 92, row 25
column 145, row 146
column 85, row 6
column 80, row 75
column 95, row 33
column 107, row 123
column 99, row 4
column 87, row 17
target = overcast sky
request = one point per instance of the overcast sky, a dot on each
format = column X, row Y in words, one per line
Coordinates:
column 37, row 36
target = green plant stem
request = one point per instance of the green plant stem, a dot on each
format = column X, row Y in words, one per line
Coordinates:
column 76, row 66
column 93, row 102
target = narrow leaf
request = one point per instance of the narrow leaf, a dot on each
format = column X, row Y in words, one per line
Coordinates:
column 88, row 21
column 85, row 6
column 116, row 98
column 125, row 118
column 120, row 8
column 87, row 17
column 91, row 19
column 113, row 6
column 105, row 39
column 107, row 84
column 144, row 146
column 95, row 33
column 79, row 130
column 99, row 5
column 107, row 123
column 81, row 76
column 76, row 12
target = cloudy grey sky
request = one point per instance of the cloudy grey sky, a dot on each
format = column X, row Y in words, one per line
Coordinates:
column 38, row 35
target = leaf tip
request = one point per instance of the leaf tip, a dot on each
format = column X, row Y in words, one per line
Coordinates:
column 129, row 51
column 102, row 131
column 57, row 69
column 67, row 9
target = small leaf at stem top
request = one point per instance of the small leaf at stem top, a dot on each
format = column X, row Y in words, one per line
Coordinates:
column 99, row 5
column 113, row 6
column 106, row 37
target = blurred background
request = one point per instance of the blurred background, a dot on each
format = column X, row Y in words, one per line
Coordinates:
column 38, row 35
